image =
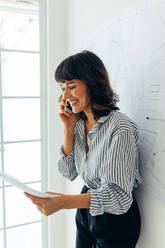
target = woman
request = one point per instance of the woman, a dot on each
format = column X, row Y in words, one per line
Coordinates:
column 100, row 145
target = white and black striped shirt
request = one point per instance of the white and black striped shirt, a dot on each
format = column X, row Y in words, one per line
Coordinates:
column 110, row 168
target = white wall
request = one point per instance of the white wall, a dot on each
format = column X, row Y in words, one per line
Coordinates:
column 82, row 18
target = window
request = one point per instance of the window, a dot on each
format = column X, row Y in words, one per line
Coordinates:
column 22, row 127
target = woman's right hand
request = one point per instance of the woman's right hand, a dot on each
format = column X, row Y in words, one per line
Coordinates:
column 69, row 120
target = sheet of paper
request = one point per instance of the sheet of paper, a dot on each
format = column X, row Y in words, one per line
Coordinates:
column 15, row 182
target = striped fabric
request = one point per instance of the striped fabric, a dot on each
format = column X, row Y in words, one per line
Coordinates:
column 110, row 168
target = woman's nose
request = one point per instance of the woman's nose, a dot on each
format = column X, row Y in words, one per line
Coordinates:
column 66, row 94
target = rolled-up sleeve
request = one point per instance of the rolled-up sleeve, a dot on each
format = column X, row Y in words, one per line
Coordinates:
column 66, row 165
column 117, row 174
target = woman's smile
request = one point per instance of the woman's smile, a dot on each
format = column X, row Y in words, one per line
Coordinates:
column 73, row 103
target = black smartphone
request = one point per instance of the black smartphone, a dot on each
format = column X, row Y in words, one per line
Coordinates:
column 68, row 108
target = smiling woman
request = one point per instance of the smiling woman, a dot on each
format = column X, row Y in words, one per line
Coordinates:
column 101, row 146
column 89, row 70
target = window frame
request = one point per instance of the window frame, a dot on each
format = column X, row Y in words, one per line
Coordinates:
column 43, row 109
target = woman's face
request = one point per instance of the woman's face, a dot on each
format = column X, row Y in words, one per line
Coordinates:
column 75, row 91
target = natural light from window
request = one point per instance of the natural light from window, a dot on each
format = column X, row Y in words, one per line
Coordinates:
column 20, row 121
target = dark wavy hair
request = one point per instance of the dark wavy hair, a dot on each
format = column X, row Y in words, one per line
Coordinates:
column 88, row 67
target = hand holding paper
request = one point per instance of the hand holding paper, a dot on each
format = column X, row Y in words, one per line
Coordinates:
column 15, row 182
column 47, row 203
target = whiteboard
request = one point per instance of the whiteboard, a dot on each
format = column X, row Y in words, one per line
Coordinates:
column 132, row 47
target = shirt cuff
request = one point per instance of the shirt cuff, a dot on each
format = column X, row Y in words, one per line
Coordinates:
column 96, row 208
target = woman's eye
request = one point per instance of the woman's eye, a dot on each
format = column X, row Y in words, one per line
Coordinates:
column 69, row 88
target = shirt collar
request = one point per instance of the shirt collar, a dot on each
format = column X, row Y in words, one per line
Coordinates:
column 105, row 117
column 101, row 120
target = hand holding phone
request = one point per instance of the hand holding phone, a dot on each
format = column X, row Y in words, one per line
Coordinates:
column 68, row 118
column 68, row 108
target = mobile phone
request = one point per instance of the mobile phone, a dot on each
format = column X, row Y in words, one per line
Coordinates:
column 68, row 108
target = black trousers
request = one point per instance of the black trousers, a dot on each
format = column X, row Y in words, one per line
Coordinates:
column 108, row 230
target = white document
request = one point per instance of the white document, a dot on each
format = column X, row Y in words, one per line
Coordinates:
column 15, row 182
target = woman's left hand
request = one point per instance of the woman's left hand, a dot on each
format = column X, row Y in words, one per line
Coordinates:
column 47, row 206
